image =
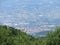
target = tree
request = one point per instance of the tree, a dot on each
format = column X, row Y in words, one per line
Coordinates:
column 53, row 38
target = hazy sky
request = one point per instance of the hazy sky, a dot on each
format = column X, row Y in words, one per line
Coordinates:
column 30, row 14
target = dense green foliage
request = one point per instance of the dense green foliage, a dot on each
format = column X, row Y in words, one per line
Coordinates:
column 12, row 36
column 53, row 38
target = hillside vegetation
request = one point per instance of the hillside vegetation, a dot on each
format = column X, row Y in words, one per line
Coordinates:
column 12, row 36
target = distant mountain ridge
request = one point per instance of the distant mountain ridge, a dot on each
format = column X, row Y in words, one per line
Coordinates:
column 41, row 34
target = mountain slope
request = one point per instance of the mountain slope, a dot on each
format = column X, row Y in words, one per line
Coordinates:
column 12, row 36
column 41, row 34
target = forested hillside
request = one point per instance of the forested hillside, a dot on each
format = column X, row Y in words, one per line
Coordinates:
column 12, row 36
